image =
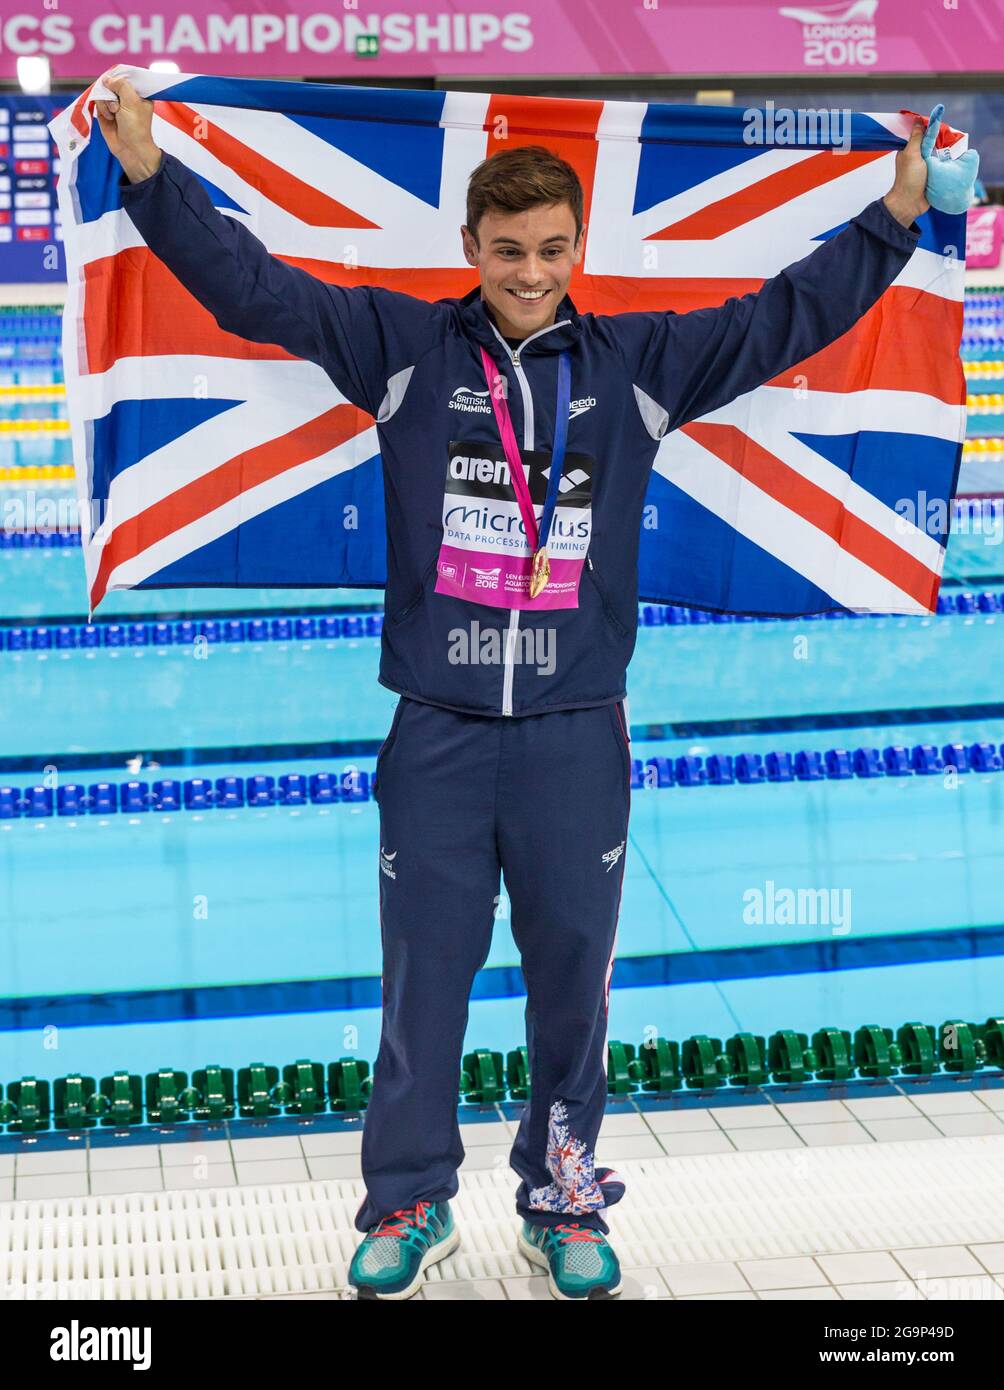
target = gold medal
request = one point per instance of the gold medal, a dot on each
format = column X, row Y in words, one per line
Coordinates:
column 540, row 571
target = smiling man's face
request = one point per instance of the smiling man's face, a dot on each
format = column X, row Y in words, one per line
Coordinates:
column 525, row 261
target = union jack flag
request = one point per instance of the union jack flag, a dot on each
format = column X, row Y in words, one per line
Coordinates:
column 204, row 459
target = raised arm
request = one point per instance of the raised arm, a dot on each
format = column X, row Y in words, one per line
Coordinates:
column 690, row 364
column 361, row 336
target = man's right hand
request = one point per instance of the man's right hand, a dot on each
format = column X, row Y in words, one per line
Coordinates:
column 126, row 123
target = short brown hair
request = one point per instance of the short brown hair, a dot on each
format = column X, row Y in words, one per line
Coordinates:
column 525, row 177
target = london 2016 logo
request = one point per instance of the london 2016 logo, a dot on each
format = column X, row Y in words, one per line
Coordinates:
column 837, row 36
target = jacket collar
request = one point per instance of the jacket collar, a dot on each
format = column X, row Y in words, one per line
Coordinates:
column 479, row 324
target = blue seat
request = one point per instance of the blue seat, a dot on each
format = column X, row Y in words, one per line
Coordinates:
column 71, row 799
column 637, row 779
column 946, row 604
column 989, row 602
column 257, row 630
column 779, row 767
column 838, row 764
column 261, row 790
column 198, row 792
column 233, row 630
column 956, row 755
column 721, row 617
column 293, row 789
column 662, row 770
column 676, row 615
column 306, row 629
column 209, row 630
column 374, row 625
column 809, row 766
column 163, row 634
column 9, row 799
column 868, row 763
column 280, row 629
column 185, row 632
column 897, row 761
column 926, row 760
column 17, row 639
column 102, row 799
column 41, row 638
column 965, row 603
column 329, row 627
column 698, row 615
column 352, row 627
column 229, row 792
column 720, row 769
column 652, row 617
column 90, row 635
column 324, row 787
column 138, row 634
column 134, row 796
column 66, row 636
column 114, row 635
column 983, row 757
column 167, row 795
column 689, row 772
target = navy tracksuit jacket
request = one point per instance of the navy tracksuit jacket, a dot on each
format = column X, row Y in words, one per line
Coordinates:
column 463, row 794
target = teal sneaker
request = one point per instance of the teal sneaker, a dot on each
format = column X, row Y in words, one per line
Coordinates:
column 395, row 1253
column 579, row 1261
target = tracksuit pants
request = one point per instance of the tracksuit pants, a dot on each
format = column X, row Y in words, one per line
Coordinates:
column 542, row 800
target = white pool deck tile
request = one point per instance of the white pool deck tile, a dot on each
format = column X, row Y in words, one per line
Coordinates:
column 827, row 1200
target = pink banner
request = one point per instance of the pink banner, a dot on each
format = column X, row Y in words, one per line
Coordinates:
column 414, row 38
column 984, row 238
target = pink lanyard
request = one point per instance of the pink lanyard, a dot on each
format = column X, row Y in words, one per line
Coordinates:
column 496, row 389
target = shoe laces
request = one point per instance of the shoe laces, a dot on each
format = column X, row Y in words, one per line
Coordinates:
column 402, row 1223
column 575, row 1232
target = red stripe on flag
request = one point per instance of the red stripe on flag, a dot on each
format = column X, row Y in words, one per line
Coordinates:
column 569, row 130
column 117, row 287
column 300, row 199
column 765, row 195
column 819, row 508
column 212, row 490
column 77, row 118
column 119, row 294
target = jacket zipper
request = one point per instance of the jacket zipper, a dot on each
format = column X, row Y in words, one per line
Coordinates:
column 512, row 631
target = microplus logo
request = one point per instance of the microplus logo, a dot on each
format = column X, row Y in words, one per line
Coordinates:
column 76, row 1343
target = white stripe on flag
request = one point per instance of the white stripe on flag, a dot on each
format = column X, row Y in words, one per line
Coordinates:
column 777, row 530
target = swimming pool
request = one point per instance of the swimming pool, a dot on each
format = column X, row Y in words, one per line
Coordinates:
column 150, row 937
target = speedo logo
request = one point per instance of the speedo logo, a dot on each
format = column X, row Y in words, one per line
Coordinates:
column 580, row 406
column 477, row 402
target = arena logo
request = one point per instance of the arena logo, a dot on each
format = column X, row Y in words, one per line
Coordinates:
column 837, row 36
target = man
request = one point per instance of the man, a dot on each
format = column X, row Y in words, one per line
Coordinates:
column 507, row 421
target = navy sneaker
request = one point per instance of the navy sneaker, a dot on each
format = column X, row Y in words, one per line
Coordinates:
column 579, row 1261
column 392, row 1258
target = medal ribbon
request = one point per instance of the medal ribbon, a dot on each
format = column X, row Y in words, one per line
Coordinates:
column 537, row 539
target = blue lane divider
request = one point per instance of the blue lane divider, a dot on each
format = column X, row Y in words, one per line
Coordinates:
column 326, row 626
column 812, row 765
column 354, row 786
column 193, row 794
